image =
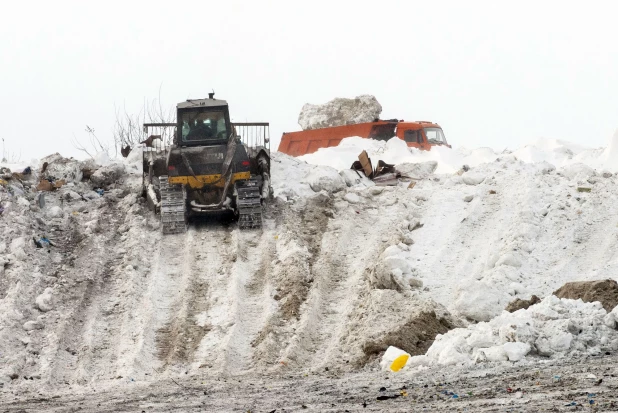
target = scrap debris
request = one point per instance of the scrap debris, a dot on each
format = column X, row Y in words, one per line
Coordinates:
column 384, row 174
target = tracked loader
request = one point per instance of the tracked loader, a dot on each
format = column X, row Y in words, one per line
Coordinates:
column 205, row 164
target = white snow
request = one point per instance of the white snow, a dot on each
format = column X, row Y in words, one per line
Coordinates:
column 552, row 328
column 553, row 153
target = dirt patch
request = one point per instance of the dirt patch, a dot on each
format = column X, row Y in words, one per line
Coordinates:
column 301, row 227
column 519, row 304
column 604, row 291
column 414, row 337
column 389, row 318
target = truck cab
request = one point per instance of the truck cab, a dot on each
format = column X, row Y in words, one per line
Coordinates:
column 421, row 134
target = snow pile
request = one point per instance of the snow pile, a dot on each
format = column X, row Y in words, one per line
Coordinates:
column 52, row 260
column 385, row 317
column 501, row 230
column 553, row 328
column 340, row 111
column 293, row 179
column 573, row 158
column 395, row 151
column 341, row 270
column 394, row 270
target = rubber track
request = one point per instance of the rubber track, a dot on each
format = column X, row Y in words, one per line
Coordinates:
column 249, row 204
column 173, row 204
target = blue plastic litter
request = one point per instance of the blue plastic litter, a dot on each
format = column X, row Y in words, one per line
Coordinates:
column 99, row 191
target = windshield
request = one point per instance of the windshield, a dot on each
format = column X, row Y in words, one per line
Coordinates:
column 206, row 125
column 435, row 135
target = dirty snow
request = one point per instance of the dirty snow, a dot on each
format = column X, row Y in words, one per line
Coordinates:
column 341, row 271
column 340, row 111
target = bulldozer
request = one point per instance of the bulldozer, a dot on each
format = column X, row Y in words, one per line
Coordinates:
column 205, row 164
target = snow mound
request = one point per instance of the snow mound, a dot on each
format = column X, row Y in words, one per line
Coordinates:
column 325, row 179
column 552, row 328
column 293, row 179
column 394, row 270
column 340, row 111
column 386, row 318
column 573, row 161
column 479, row 301
column 395, row 151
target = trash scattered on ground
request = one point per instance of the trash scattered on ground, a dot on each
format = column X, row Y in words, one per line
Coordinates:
column 50, row 184
column 42, row 242
column 394, row 396
column 394, row 359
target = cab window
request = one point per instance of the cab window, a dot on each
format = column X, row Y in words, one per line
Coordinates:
column 435, row 136
column 204, row 125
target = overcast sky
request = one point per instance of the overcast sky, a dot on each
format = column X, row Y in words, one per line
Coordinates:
column 496, row 74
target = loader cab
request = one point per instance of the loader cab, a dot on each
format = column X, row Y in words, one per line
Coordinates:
column 203, row 122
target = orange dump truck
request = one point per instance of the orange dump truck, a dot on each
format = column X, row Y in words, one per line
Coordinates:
column 421, row 134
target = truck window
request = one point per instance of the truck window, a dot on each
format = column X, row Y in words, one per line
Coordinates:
column 412, row 136
column 435, row 136
column 382, row 132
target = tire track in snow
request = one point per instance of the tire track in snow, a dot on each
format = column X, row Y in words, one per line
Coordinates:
column 250, row 297
column 161, row 300
column 85, row 348
column 205, row 258
column 346, row 250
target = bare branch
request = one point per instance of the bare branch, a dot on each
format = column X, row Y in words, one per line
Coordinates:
column 94, row 144
column 128, row 129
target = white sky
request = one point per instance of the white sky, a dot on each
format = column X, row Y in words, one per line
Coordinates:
column 491, row 73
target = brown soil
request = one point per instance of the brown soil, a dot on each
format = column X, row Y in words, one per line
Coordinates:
column 605, row 291
column 518, row 304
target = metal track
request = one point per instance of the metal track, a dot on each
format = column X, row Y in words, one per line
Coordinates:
column 249, row 204
column 173, row 204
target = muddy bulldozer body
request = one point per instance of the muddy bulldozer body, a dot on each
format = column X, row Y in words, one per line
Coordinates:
column 204, row 164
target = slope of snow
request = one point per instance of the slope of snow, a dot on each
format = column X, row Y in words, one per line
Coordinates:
column 337, row 274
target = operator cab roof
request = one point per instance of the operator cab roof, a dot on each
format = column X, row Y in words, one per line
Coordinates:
column 201, row 103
